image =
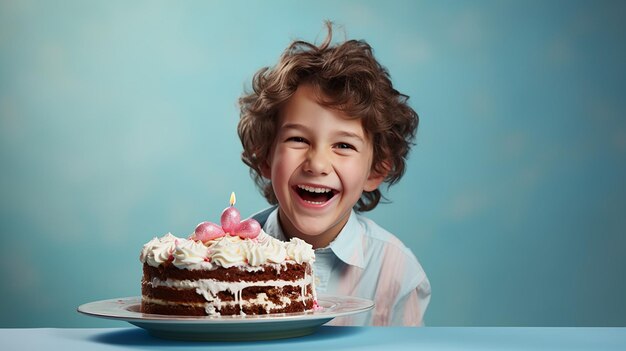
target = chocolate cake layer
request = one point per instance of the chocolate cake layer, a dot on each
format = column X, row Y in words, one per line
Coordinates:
column 292, row 271
column 273, row 293
column 296, row 306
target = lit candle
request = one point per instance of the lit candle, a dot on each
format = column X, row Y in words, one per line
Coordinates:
column 231, row 217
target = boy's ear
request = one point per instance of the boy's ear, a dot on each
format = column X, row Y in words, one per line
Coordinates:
column 376, row 177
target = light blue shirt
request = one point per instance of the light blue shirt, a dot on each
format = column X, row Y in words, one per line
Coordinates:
column 367, row 261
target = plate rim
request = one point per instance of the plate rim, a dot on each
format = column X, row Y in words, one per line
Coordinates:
column 118, row 310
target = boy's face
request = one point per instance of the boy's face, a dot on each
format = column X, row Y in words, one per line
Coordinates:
column 320, row 164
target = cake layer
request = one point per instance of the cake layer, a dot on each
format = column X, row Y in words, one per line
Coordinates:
column 286, row 271
column 273, row 293
column 156, row 307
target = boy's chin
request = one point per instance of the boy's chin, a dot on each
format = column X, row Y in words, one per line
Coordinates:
column 314, row 229
column 311, row 231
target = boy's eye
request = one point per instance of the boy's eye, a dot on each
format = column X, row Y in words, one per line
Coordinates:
column 345, row 146
column 296, row 139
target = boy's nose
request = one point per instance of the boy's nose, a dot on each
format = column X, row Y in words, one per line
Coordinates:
column 317, row 163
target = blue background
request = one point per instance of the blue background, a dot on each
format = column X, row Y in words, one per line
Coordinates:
column 118, row 124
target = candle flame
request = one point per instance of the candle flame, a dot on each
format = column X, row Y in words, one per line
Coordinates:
column 233, row 199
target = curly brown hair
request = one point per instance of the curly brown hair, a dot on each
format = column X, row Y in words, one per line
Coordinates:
column 350, row 80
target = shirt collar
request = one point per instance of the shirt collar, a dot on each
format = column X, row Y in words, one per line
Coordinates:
column 347, row 246
column 272, row 226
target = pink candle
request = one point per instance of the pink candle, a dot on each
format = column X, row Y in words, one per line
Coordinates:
column 249, row 229
column 207, row 231
column 231, row 225
column 231, row 217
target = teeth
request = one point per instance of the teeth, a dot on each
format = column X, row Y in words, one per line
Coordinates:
column 314, row 190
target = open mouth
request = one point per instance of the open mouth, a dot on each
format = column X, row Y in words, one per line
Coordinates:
column 315, row 195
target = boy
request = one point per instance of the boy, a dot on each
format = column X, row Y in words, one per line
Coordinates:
column 321, row 131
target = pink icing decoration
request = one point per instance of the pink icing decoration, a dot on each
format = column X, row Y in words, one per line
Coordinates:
column 230, row 220
column 207, row 231
column 249, row 229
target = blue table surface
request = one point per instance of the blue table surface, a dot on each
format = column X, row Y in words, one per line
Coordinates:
column 330, row 338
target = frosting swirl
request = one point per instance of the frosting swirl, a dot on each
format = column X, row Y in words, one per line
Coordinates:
column 275, row 251
column 255, row 255
column 227, row 252
column 299, row 250
column 188, row 253
column 158, row 250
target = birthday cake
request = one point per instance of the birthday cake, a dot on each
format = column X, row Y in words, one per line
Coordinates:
column 232, row 269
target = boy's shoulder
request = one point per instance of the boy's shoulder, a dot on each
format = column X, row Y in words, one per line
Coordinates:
column 382, row 243
column 377, row 234
column 262, row 215
column 385, row 251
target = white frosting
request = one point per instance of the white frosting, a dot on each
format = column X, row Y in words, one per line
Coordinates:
column 255, row 254
column 299, row 250
column 227, row 251
column 189, row 253
column 275, row 250
column 158, row 250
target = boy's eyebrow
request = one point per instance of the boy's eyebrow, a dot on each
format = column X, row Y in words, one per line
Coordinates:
column 293, row 126
column 347, row 134
column 341, row 133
